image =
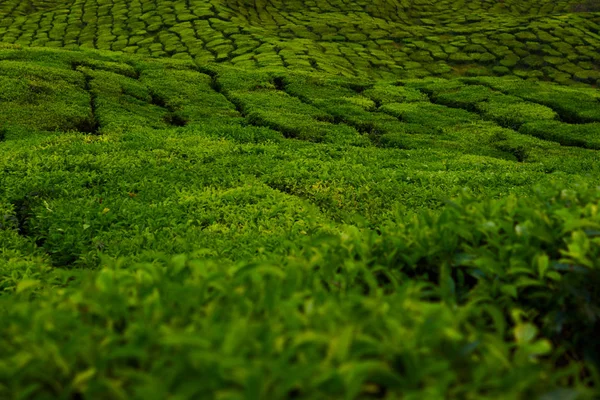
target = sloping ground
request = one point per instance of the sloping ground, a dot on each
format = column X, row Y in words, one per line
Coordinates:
column 48, row 90
column 383, row 39
column 266, row 200
column 306, row 272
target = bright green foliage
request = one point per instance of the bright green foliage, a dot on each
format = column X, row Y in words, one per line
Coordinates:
column 512, row 112
column 121, row 101
column 466, row 97
column 263, row 103
column 573, row 106
column 188, row 93
column 427, row 114
column 419, row 308
column 384, row 39
column 583, row 135
column 507, row 110
column 235, row 199
column 41, row 97
column 344, row 102
column 388, row 93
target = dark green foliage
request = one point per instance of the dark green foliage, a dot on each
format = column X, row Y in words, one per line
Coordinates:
column 121, row 102
column 435, row 282
column 189, row 94
column 466, row 97
column 427, row 114
column 388, row 93
column 42, row 98
column 261, row 99
column 344, row 102
column 385, row 39
column 586, row 6
column 572, row 105
column 512, row 112
column 507, row 110
column 548, row 241
column 583, row 135
column 264, row 199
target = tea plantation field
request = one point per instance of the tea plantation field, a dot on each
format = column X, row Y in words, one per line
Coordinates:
column 327, row 199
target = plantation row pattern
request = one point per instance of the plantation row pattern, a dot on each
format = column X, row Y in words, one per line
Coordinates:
column 98, row 95
column 181, row 228
column 381, row 39
column 484, row 121
column 95, row 96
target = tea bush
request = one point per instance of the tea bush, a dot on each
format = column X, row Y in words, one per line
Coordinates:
column 410, row 310
column 234, row 199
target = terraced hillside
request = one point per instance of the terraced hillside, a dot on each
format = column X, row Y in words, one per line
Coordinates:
column 333, row 199
column 382, row 38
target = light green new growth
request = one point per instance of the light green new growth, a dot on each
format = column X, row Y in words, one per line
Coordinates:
column 286, row 199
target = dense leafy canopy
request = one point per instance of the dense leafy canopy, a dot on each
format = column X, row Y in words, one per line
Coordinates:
column 237, row 199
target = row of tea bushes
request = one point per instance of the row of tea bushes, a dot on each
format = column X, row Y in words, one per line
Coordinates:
column 492, row 299
column 525, row 39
